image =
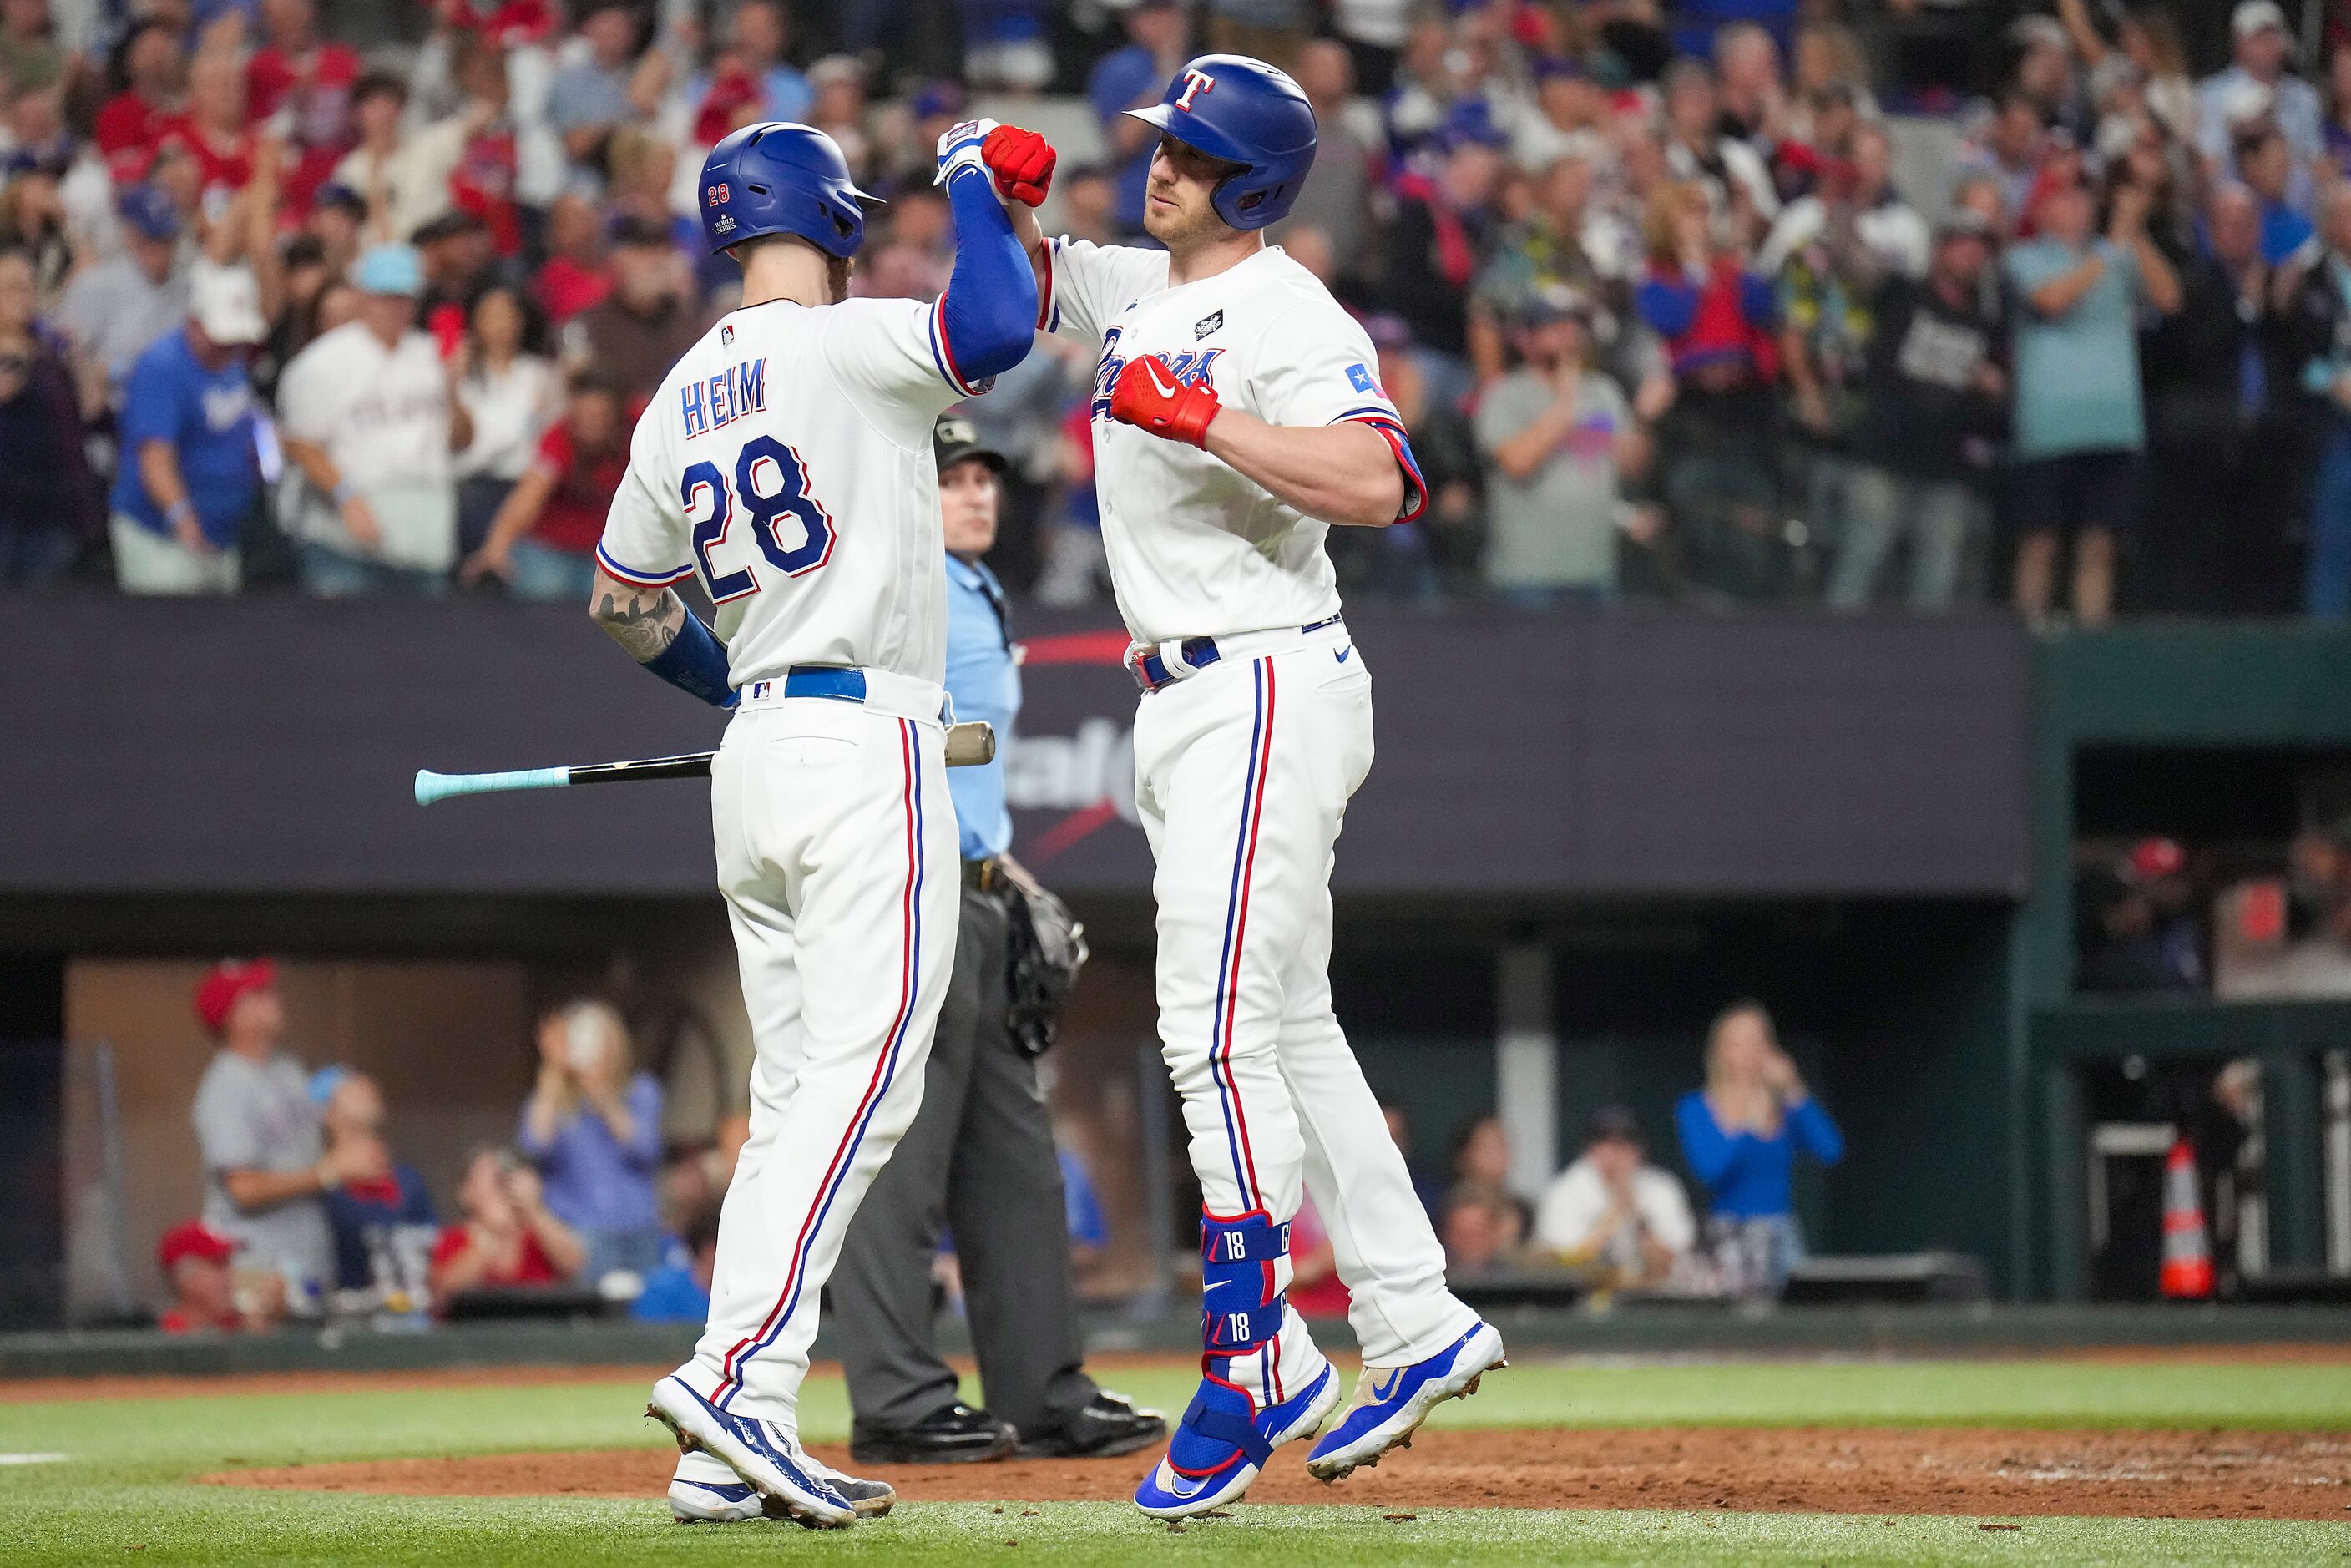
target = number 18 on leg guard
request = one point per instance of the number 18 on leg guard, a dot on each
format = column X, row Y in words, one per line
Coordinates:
column 1255, row 1392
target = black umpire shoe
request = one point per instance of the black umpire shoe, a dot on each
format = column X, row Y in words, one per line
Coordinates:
column 1103, row 1428
column 959, row 1435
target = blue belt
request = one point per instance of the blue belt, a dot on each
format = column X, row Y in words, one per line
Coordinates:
column 847, row 685
column 1151, row 671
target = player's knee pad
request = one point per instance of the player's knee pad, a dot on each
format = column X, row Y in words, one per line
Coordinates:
column 1244, row 1275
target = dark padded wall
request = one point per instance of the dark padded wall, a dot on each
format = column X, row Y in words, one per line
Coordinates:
column 267, row 745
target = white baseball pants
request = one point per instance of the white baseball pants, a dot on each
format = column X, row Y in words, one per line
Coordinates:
column 1242, row 775
column 838, row 855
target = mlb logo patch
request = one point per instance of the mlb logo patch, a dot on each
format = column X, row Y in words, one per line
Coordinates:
column 1207, row 324
column 726, row 336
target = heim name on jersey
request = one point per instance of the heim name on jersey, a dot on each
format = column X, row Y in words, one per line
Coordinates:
column 786, row 459
column 1196, row 547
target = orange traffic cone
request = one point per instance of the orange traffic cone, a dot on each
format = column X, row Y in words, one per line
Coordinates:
column 2186, row 1274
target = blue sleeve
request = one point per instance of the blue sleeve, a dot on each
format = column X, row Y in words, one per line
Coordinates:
column 695, row 662
column 1710, row 1154
column 151, row 405
column 1668, row 306
column 987, row 317
column 1758, row 301
column 1815, row 1131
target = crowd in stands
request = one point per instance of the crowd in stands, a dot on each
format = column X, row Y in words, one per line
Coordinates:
column 310, row 1212
column 1614, row 1221
column 1663, row 317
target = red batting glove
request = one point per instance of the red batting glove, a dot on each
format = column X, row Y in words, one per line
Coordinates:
column 1021, row 161
column 1148, row 397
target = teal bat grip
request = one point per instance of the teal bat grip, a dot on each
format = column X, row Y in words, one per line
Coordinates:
column 431, row 785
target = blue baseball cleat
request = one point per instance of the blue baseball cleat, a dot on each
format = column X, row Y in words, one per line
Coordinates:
column 1224, row 1441
column 1391, row 1402
column 762, row 1455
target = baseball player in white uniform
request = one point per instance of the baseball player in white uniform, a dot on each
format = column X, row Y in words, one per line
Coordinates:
column 786, row 459
column 1236, row 416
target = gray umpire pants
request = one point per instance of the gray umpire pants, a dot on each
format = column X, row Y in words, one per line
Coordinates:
column 980, row 1160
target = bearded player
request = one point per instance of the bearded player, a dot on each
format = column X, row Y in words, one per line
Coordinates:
column 1235, row 418
column 786, row 459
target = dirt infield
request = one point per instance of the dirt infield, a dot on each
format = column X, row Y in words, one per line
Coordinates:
column 1974, row 1471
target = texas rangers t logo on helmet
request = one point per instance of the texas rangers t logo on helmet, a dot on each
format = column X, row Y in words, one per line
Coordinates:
column 1195, row 83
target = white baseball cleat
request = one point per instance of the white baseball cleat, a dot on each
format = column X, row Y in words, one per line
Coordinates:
column 704, row 1492
column 1391, row 1402
column 764, row 1456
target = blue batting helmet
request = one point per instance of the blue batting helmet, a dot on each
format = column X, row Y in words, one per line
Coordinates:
column 1243, row 111
column 777, row 178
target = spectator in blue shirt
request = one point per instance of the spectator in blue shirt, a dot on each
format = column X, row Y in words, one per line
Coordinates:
column 1740, row 1135
column 190, row 469
column 2266, row 164
column 1160, row 40
column 679, row 1290
column 385, row 1224
column 593, row 1129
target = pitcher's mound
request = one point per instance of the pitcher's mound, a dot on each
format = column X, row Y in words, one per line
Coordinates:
column 2145, row 1475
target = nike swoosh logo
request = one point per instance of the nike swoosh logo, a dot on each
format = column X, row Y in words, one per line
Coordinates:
column 1159, row 379
column 1387, row 1386
column 1342, row 655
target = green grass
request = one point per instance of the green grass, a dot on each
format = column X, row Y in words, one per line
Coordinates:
column 123, row 1494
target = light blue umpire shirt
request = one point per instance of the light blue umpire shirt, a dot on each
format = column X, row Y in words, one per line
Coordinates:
column 985, row 683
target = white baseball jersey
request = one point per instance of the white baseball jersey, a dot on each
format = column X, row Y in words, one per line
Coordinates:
column 1196, row 547
column 786, row 458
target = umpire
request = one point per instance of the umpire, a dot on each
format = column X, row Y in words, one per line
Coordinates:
column 980, row 1155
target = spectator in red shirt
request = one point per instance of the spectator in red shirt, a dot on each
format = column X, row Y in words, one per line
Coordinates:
column 216, row 131
column 195, row 1259
column 574, row 276
column 543, row 542
column 311, row 81
column 507, row 1238
column 131, row 125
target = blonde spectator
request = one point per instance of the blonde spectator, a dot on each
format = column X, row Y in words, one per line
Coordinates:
column 1740, row 1135
column 592, row 1127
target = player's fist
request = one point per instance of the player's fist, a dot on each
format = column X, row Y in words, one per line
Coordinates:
column 1022, row 162
column 959, row 147
column 1147, row 396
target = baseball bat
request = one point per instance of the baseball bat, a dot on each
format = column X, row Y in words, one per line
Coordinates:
column 970, row 745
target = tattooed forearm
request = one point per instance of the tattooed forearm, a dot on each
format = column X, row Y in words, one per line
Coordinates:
column 644, row 620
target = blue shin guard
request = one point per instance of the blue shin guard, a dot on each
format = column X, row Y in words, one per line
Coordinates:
column 1233, row 1425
